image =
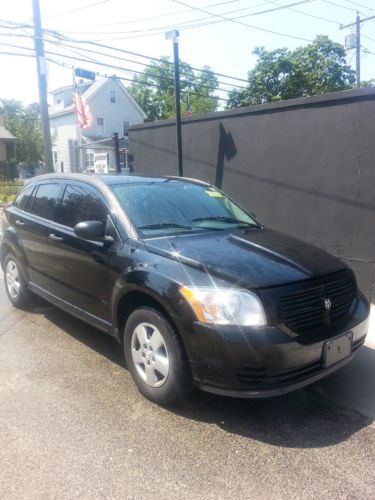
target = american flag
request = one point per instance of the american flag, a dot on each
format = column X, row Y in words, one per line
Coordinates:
column 81, row 108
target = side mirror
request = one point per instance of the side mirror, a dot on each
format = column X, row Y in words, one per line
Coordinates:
column 92, row 230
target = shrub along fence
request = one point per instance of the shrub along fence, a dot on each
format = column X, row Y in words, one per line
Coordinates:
column 8, row 191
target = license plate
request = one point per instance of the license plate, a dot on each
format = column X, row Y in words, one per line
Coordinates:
column 337, row 349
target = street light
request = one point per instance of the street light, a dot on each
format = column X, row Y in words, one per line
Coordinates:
column 173, row 35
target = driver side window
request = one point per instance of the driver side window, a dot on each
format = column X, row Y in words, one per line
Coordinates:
column 81, row 204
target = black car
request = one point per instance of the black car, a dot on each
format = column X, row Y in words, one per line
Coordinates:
column 197, row 291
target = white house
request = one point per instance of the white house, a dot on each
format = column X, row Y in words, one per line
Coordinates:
column 113, row 109
column 7, row 143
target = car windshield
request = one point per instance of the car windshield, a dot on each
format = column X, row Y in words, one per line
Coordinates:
column 160, row 208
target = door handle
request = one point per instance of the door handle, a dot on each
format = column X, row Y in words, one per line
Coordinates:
column 53, row 237
column 20, row 223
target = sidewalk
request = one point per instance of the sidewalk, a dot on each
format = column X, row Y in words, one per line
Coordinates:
column 353, row 387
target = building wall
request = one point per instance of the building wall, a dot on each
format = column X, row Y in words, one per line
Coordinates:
column 3, row 155
column 63, row 130
column 114, row 114
column 305, row 167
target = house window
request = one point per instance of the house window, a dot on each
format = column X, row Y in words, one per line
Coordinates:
column 89, row 160
column 55, row 158
column 9, row 151
column 100, row 125
column 126, row 127
column 58, row 100
column 112, row 96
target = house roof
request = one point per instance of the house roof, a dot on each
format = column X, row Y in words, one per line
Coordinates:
column 67, row 87
column 5, row 134
column 92, row 90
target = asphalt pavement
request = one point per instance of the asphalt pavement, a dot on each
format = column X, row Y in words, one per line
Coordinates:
column 72, row 425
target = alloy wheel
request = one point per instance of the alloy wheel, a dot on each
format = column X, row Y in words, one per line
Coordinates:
column 12, row 279
column 150, row 355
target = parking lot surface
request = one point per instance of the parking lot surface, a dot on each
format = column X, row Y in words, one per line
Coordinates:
column 72, row 425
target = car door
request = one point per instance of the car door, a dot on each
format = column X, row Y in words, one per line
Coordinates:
column 82, row 271
column 34, row 217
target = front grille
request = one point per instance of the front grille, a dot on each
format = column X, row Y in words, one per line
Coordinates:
column 304, row 311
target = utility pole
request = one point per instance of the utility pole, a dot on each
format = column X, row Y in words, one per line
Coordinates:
column 357, row 25
column 42, row 84
column 173, row 35
column 116, row 146
column 358, row 51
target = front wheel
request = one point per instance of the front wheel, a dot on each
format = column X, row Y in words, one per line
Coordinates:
column 156, row 357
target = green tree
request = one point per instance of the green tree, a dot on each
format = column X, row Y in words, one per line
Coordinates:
column 317, row 68
column 153, row 90
column 25, row 124
column 368, row 83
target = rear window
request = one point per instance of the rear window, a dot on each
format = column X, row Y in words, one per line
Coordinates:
column 45, row 200
column 23, row 199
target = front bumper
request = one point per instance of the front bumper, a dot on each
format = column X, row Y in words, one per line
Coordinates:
column 265, row 362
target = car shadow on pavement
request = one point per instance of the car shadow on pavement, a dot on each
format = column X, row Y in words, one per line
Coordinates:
column 323, row 414
column 93, row 338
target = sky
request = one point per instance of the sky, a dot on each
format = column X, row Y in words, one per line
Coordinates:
column 205, row 38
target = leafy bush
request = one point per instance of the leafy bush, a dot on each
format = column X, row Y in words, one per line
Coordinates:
column 9, row 190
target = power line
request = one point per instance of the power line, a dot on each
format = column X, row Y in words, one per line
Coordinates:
column 151, row 75
column 64, row 45
column 359, row 4
column 16, row 46
column 130, row 70
column 148, row 84
column 181, row 25
column 76, row 10
column 339, row 5
column 60, row 36
column 313, row 16
column 99, row 63
column 13, row 24
column 235, row 20
column 5, row 53
column 112, row 66
column 184, row 26
column 152, row 18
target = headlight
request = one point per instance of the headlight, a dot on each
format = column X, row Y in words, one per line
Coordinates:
column 224, row 306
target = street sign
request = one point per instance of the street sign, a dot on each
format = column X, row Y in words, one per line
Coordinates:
column 101, row 162
column 83, row 73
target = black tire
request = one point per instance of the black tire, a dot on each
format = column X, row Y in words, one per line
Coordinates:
column 22, row 299
column 177, row 384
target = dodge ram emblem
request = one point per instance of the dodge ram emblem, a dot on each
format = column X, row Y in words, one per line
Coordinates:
column 327, row 304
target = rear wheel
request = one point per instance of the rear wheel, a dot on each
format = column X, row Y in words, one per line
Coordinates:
column 15, row 283
column 156, row 358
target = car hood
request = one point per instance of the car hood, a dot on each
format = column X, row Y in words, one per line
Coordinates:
column 255, row 258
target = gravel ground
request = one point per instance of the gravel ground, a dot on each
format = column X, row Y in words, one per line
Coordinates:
column 72, row 425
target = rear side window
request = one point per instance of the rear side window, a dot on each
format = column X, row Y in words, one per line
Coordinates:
column 81, row 204
column 45, row 200
column 23, row 199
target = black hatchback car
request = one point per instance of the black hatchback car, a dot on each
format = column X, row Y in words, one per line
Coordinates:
column 196, row 290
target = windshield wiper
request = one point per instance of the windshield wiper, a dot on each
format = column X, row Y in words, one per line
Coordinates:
column 164, row 225
column 223, row 218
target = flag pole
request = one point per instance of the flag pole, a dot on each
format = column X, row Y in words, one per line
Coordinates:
column 78, row 131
